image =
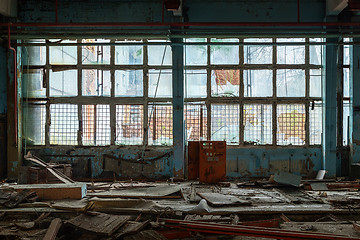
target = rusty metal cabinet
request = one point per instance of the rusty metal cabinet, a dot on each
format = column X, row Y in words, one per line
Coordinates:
column 207, row 161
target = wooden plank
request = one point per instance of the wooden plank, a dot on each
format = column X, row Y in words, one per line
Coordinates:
column 53, row 229
column 54, row 191
column 218, row 199
column 131, row 227
column 99, row 223
column 61, row 176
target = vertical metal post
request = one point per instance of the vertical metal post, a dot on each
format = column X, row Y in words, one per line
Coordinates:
column 329, row 107
column 354, row 127
column 178, row 106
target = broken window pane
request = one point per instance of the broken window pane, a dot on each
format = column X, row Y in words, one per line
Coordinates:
column 32, row 84
column 88, row 128
column 346, row 57
column 160, row 83
column 346, row 119
column 257, row 120
column 96, row 82
column 315, row 115
column 63, row 83
column 225, row 123
column 195, row 121
column 129, row 125
column 258, row 54
column 129, row 55
column 64, row 124
column 316, row 51
column 34, row 116
column 225, row 83
column 291, row 54
column 97, row 54
column 258, row 83
column 160, row 124
column 195, row 83
column 290, row 83
column 96, row 125
column 224, row 54
column 315, row 83
column 103, row 129
column 346, row 87
column 128, row 83
column 290, row 124
column 195, row 54
column 34, row 55
column 159, row 54
column 63, row 54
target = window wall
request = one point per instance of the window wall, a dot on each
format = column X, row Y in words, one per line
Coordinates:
column 255, row 91
column 246, row 91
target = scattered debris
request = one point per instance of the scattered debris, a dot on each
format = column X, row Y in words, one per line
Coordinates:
column 319, row 186
column 53, row 191
column 218, row 200
column 99, row 223
column 53, row 229
column 10, row 198
column 287, row 179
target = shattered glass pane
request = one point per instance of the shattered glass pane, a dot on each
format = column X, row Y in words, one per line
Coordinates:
column 258, row 54
column 160, row 83
column 63, row 54
column 195, row 82
column 32, row 85
column 224, row 54
column 225, row 83
column 34, row 55
column 225, row 119
column 290, row 83
column 96, row 82
column 128, row 83
column 34, row 116
column 315, row 83
column 315, row 115
column 290, row 124
column 160, row 55
column 257, row 121
column 97, row 54
column 129, row 55
column 195, row 54
column 63, row 83
column 316, row 51
column 291, row 54
column 258, row 83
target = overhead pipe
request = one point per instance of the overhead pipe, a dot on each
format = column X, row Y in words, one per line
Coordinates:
column 186, row 24
column 15, row 87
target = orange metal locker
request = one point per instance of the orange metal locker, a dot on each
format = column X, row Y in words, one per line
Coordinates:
column 212, row 161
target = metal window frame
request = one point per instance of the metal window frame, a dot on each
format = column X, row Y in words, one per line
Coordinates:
column 112, row 101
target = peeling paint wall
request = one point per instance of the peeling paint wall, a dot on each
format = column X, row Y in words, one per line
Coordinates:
column 102, row 162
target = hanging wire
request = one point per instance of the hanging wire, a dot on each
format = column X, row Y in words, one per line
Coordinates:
column 153, row 105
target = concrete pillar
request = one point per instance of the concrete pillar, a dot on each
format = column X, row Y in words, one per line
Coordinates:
column 178, row 107
column 354, row 123
column 329, row 107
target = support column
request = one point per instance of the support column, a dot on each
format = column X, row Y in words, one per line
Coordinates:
column 178, row 107
column 354, row 123
column 14, row 158
column 329, row 107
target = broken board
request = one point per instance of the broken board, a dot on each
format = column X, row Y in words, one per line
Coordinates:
column 218, row 199
column 54, row 191
column 99, row 223
column 158, row 192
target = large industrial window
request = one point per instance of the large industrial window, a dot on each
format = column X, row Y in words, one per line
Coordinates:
column 254, row 91
column 247, row 91
column 97, row 92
